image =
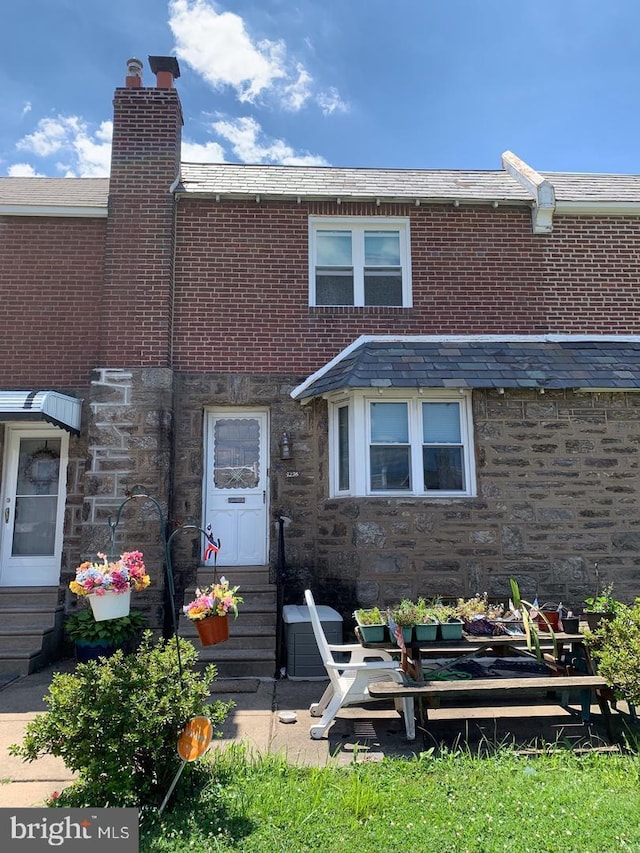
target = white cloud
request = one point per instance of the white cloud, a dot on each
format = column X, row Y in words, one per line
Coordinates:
column 23, row 170
column 195, row 152
column 26, row 108
column 251, row 146
column 219, row 48
column 298, row 92
column 88, row 154
column 330, row 102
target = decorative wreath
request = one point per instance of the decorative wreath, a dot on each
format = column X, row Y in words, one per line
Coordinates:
column 32, row 469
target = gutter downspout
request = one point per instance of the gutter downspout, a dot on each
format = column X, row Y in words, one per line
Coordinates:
column 541, row 190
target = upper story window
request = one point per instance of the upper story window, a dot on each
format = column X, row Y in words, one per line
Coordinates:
column 403, row 444
column 359, row 261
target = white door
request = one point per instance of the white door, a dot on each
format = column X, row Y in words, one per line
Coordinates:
column 33, row 498
column 236, row 485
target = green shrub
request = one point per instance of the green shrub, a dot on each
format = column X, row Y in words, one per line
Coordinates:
column 116, row 722
column 82, row 626
column 615, row 646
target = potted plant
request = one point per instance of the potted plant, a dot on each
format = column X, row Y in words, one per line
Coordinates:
column 478, row 615
column 94, row 639
column 372, row 624
column 530, row 614
column 404, row 616
column 426, row 624
column 450, row 625
column 210, row 611
column 108, row 584
column 601, row 607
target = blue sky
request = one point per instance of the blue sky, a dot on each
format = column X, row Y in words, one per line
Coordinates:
column 404, row 84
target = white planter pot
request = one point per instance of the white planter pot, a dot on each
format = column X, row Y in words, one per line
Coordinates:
column 111, row 605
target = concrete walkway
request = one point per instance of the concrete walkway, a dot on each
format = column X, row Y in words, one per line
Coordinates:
column 369, row 733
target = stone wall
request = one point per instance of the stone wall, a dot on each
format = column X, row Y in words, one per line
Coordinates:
column 558, row 491
column 129, row 443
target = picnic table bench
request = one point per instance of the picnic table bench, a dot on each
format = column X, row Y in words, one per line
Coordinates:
column 569, row 672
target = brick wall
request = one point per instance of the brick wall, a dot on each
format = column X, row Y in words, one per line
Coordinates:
column 241, row 301
column 50, row 285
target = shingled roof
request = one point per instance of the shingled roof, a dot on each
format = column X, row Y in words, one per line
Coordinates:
column 480, row 362
column 21, row 195
column 229, row 179
column 233, row 180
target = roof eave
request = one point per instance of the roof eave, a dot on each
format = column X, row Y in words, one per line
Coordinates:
column 598, row 208
column 52, row 210
column 416, row 200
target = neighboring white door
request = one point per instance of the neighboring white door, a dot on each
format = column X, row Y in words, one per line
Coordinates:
column 33, row 499
column 236, row 486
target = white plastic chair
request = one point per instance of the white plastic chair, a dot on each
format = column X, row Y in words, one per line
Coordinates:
column 349, row 681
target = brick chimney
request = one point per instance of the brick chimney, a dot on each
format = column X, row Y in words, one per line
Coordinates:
column 145, row 162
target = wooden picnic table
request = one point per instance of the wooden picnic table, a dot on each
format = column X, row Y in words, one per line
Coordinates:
column 569, row 671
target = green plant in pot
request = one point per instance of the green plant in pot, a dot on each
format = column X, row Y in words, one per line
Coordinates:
column 101, row 639
column 450, row 624
column 531, row 616
column 602, row 607
column 404, row 615
column 426, row 624
column 372, row 624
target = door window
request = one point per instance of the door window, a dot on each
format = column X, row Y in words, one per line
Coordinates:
column 36, row 507
column 236, row 453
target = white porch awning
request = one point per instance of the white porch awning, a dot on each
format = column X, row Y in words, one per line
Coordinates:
column 58, row 409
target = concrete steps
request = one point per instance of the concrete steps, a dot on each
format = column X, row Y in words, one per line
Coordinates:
column 31, row 624
column 250, row 650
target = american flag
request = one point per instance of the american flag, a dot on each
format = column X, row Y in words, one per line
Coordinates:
column 213, row 545
column 396, row 631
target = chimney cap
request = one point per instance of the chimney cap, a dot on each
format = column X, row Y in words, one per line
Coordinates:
column 165, row 63
column 134, row 66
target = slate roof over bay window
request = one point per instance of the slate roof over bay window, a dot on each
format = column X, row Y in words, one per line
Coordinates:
column 553, row 361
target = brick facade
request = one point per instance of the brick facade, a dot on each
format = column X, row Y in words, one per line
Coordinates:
column 242, row 281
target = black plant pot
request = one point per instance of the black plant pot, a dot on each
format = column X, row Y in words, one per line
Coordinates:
column 86, row 651
column 594, row 619
column 571, row 624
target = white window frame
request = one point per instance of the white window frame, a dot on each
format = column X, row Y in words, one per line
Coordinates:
column 359, row 431
column 357, row 225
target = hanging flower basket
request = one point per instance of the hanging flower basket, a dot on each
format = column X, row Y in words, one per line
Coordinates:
column 108, row 585
column 210, row 611
column 110, row 605
column 213, row 630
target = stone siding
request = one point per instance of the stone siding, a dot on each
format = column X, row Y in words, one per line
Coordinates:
column 558, row 491
column 129, row 443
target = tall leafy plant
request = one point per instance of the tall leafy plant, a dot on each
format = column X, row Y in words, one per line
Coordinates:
column 529, row 614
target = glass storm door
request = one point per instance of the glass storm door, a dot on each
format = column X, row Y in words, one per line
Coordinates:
column 33, row 500
column 236, row 485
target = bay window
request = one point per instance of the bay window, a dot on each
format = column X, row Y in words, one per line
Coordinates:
column 402, row 444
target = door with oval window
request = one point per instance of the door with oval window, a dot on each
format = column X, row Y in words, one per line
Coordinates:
column 236, row 486
column 33, row 501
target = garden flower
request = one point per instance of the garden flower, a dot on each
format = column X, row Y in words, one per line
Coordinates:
column 219, row 599
column 129, row 572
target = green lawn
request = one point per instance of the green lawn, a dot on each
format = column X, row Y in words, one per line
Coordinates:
column 452, row 803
